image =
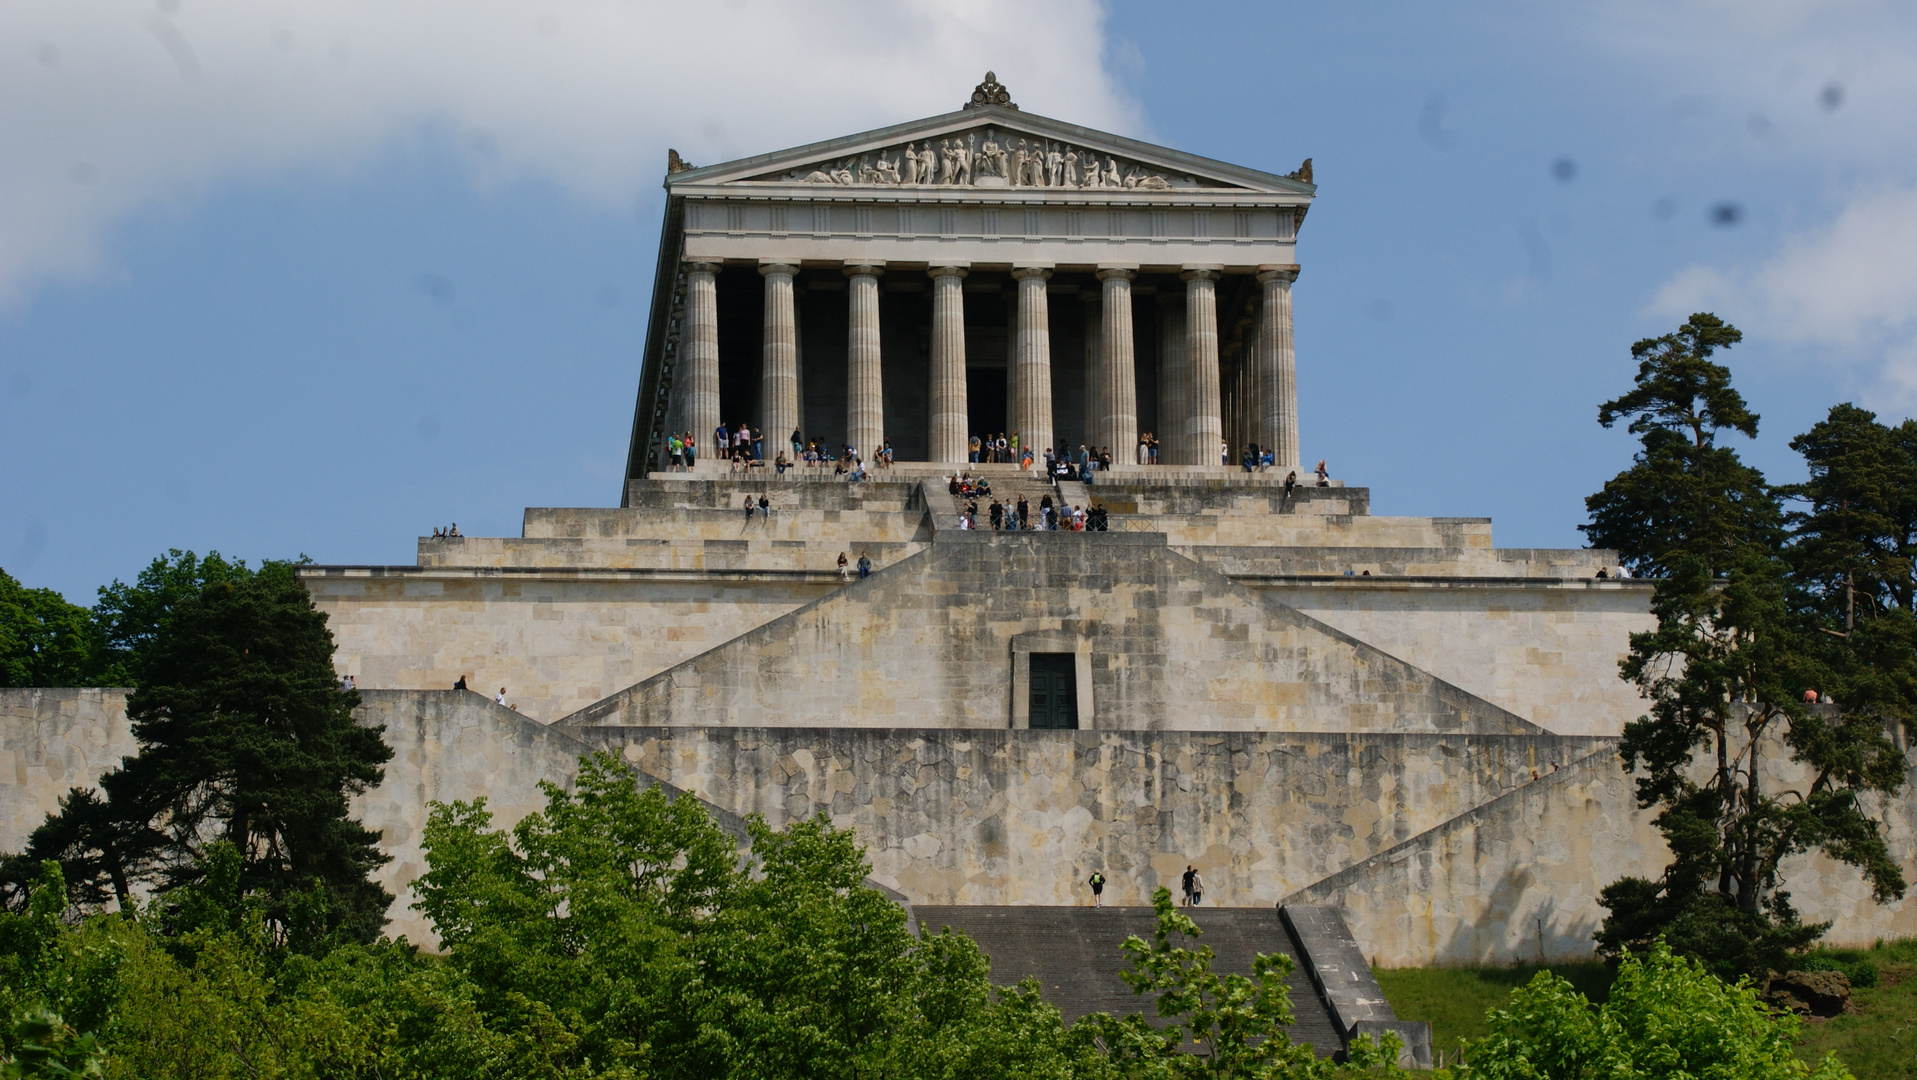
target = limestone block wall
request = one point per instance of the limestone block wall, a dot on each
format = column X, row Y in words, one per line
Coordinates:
column 785, row 547
column 1233, row 496
column 722, row 491
column 1268, row 560
column 1167, row 644
column 788, row 522
column 1023, row 817
column 1546, row 651
column 1518, row 878
column 558, row 640
column 53, row 740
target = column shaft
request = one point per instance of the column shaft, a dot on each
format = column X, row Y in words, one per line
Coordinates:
column 864, row 378
column 949, row 426
column 1094, row 365
column 1278, row 367
column 700, row 363
column 1011, row 364
column 779, row 364
column 1117, row 367
column 1204, row 424
column 1174, row 377
column 1034, row 355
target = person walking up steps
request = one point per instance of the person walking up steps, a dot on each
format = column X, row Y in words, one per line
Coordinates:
column 1197, row 887
column 1097, row 883
column 1191, row 874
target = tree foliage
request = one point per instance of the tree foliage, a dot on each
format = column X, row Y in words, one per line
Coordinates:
column 244, row 738
column 1684, row 495
column 44, row 641
column 1743, row 771
column 1666, row 1017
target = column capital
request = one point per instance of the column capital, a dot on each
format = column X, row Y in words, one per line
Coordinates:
column 1201, row 273
column 1020, row 273
column 1279, row 272
column 778, row 266
column 948, row 270
column 1117, row 273
column 864, row 269
column 700, row 266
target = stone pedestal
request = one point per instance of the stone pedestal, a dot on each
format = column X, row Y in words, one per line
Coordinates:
column 1204, row 426
column 1118, row 430
column 1033, row 355
column 1277, row 366
column 779, row 363
column 949, row 425
column 865, row 387
column 699, row 365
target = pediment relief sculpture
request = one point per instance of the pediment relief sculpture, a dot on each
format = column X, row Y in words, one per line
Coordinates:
column 991, row 157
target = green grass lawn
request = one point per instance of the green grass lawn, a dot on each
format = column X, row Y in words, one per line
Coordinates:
column 1879, row 1042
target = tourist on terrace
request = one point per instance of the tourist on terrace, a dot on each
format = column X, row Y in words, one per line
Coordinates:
column 1291, row 483
column 1097, row 882
column 974, row 444
column 750, row 506
column 1324, row 475
column 997, row 514
column 758, row 445
column 1197, row 887
column 765, row 507
column 500, row 698
column 858, row 471
column 865, row 564
column 692, row 449
column 1190, row 873
column 844, row 567
column 722, row 439
column 1023, row 512
column 780, row 463
column 798, row 443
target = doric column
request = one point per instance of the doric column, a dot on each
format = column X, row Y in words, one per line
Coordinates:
column 779, row 366
column 1174, row 382
column 1278, row 366
column 700, row 366
column 1011, row 363
column 864, row 383
column 1204, row 423
column 949, row 425
column 1116, row 368
column 1034, row 355
column 1094, row 365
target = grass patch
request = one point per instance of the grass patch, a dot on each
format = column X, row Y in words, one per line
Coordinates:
column 1879, row 1042
column 1454, row 1000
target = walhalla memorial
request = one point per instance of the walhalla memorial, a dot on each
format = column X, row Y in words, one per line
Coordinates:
column 1334, row 716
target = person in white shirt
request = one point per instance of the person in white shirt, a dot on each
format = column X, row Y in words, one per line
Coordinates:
column 500, row 698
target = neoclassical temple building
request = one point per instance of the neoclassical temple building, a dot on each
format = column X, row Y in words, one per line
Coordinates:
column 984, row 271
column 1378, row 738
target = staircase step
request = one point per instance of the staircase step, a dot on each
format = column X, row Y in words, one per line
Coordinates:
column 1075, row 954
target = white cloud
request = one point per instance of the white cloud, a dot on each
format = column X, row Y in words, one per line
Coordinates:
column 109, row 107
column 1848, row 289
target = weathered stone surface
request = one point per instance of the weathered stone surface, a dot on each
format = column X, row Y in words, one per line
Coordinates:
column 52, row 741
column 1811, row 993
column 930, row 643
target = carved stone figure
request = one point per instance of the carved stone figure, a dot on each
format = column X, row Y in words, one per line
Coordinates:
column 1055, row 166
column 991, row 160
column 1303, row 172
column 928, row 163
column 1071, row 167
column 676, row 164
column 948, row 162
column 990, row 92
column 909, row 164
column 1112, row 175
column 1017, row 172
column 966, row 152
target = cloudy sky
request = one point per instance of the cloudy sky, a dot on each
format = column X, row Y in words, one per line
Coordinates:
column 284, row 278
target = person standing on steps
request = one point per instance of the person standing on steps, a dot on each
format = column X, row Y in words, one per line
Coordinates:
column 1197, row 887
column 1191, row 874
column 500, row 698
column 1097, row 883
column 461, row 684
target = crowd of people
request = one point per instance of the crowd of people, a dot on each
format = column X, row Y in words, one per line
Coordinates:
column 1010, row 516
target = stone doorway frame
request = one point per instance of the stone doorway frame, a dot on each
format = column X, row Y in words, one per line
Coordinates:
column 1050, row 641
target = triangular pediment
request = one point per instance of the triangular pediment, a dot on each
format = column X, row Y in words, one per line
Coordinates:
column 991, row 148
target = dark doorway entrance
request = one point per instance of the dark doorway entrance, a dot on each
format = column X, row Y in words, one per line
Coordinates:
column 1054, row 690
column 985, row 400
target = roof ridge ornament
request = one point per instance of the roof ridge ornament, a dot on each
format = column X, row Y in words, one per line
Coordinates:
column 1302, row 172
column 990, row 92
column 675, row 163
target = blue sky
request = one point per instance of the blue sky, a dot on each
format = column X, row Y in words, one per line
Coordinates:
column 313, row 279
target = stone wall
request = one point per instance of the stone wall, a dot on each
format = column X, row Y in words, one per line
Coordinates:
column 1517, row 878
column 1547, row 651
column 50, row 742
column 1023, row 817
column 933, row 642
column 558, row 640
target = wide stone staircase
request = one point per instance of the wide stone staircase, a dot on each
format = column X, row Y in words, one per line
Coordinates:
column 1075, row 954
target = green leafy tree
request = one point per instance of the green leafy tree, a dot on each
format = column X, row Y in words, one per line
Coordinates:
column 131, row 619
column 44, row 641
column 1684, row 495
column 1738, row 642
column 1851, row 544
column 1666, row 1017
column 246, row 738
